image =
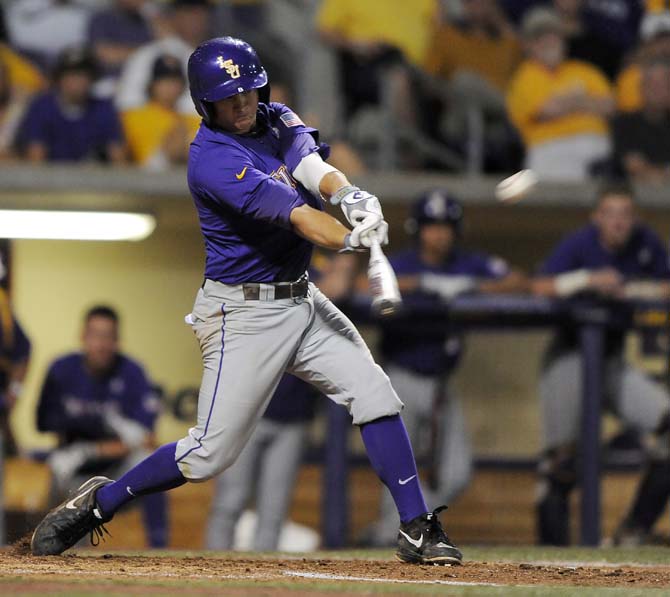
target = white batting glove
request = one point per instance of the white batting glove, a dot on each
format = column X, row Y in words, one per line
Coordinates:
column 446, row 287
column 131, row 433
column 64, row 462
column 356, row 204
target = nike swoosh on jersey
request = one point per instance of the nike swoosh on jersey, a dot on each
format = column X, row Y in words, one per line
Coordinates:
column 405, row 481
column 71, row 504
column 415, row 542
column 240, row 176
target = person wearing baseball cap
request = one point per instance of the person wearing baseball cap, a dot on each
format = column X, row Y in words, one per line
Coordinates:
column 420, row 355
column 68, row 123
column 157, row 133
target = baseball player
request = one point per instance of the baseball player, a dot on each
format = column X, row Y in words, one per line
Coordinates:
column 614, row 257
column 258, row 180
column 102, row 407
column 420, row 361
column 269, row 462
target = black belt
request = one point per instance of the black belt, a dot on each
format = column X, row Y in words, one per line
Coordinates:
column 254, row 291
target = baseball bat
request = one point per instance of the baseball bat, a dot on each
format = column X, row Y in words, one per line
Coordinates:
column 383, row 282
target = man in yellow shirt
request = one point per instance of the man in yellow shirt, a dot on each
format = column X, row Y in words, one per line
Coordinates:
column 560, row 107
column 156, row 133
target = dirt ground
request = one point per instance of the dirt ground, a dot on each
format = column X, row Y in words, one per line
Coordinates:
column 16, row 561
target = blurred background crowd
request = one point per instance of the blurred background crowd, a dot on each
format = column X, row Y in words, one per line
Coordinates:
column 444, row 91
column 572, row 88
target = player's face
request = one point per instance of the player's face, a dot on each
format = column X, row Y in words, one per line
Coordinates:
column 615, row 218
column 101, row 343
column 437, row 238
column 237, row 114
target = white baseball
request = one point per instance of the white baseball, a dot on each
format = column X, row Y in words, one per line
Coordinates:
column 516, row 187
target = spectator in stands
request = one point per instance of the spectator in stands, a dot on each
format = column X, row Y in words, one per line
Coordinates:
column 419, row 352
column 25, row 78
column 114, row 33
column 43, row 29
column 614, row 257
column 559, row 106
column 67, row 123
column 157, row 134
column 13, row 104
column 373, row 40
column 476, row 55
column 583, row 43
column 654, row 46
column 185, row 26
column 103, row 408
column 642, row 138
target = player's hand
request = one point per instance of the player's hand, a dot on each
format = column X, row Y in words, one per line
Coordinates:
column 446, row 287
column 64, row 462
column 130, row 432
column 607, row 281
column 364, row 233
column 356, row 204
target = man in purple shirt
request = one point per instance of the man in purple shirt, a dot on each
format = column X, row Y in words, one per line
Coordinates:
column 257, row 178
column 103, row 408
column 67, row 123
column 614, row 257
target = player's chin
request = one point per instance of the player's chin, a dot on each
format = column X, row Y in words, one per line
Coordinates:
column 244, row 125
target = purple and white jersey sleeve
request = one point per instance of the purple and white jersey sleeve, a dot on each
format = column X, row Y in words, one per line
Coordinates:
column 297, row 140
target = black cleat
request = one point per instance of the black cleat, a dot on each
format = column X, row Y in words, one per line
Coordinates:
column 423, row 541
column 70, row 521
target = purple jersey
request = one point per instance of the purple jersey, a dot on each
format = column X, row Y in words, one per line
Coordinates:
column 294, row 401
column 73, row 402
column 643, row 256
column 244, row 193
column 431, row 351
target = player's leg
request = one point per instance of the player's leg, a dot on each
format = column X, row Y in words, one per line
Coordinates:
column 454, row 469
column 233, row 490
column 276, row 482
column 417, row 393
column 560, row 394
column 334, row 358
column 644, row 405
column 245, row 350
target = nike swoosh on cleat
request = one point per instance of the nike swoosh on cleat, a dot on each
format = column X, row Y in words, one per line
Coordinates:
column 405, row 481
column 415, row 542
column 71, row 504
column 240, row 176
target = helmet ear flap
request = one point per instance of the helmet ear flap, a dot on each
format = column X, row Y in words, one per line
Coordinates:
column 264, row 94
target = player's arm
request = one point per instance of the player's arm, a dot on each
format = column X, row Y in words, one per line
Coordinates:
column 319, row 227
column 606, row 281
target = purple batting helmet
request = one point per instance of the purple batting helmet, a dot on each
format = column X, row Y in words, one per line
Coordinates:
column 222, row 67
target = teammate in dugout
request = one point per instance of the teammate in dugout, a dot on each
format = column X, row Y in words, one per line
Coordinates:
column 420, row 359
column 102, row 407
column 614, row 257
column 258, row 180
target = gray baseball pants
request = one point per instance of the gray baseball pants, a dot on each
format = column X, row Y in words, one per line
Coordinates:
column 454, row 468
column 635, row 398
column 267, row 467
column 246, row 348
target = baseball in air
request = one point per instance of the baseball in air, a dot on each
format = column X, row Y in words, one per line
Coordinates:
column 516, row 187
